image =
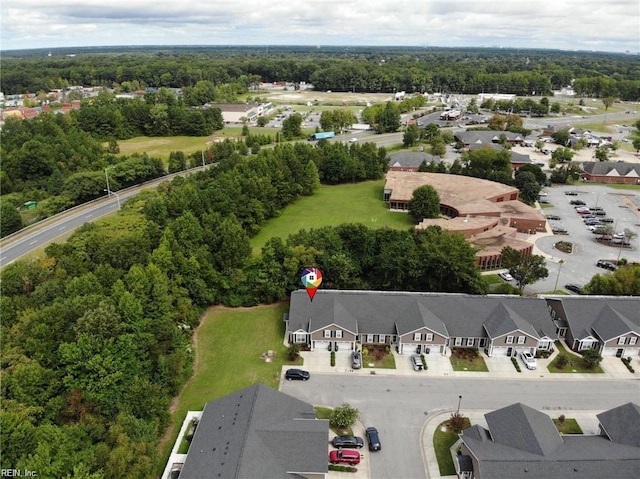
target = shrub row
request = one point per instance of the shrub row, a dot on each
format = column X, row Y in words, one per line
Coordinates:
column 333, row 358
column 424, row 362
column 515, row 364
column 334, row 467
column 627, row 363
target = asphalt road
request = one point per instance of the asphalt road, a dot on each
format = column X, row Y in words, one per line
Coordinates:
column 399, row 406
column 23, row 242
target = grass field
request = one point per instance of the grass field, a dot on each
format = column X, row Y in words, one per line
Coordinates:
column 443, row 439
column 331, row 206
column 568, row 426
column 228, row 346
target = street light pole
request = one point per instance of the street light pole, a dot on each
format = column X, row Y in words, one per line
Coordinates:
column 555, row 287
column 106, row 175
column 459, row 401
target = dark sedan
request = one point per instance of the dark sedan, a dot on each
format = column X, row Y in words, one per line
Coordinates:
column 298, row 374
column 349, row 442
column 574, row 288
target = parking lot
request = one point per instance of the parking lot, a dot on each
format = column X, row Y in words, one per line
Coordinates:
column 579, row 266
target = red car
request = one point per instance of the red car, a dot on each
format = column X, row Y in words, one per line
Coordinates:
column 344, row 456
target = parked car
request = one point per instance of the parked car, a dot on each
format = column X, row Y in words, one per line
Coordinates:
column 356, row 360
column 528, row 360
column 606, row 265
column 373, row 439
column 553, row 217
column 596, row 208
column 416, row 362
column 297, row 374
column 577, row 202
column 600, row 213
column 348, row 442
column 571, row 193
column 588, row 216
column 592, row 222
column 559, row 230
column 506, row 276
column 344, row 456
column 574, row 288
column 353, row 140
column 607, row 220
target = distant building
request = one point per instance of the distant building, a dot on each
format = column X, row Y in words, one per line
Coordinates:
column 611, row 172
column 236, row 112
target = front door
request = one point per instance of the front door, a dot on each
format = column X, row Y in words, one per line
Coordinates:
column 509, row 352
column 419, row 349
column 619, row 353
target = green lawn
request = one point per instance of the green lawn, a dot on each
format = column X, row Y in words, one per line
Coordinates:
column 164, row 145
column 467, row 361
column 325, row 413
column 228, row 348
column 331, row 206
column 575, row 365
column 443, row 439
column 568, row 426
column 386, row 362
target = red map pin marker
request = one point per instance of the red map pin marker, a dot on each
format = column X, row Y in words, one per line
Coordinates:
column 311, row 279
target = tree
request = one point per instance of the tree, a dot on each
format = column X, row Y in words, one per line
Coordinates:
column 602, row 153
column 411, row 135
column 457, row 422
column 10, row 219
column 561, row 137
column 592, row 358
column 561, row 361
column 525, row 269
column 310, row 181
column 344, row 416
column 292, row 127
column 562, row 155
column 528, row 185
column 607, row 102
column 425, row 203
column 388, row 118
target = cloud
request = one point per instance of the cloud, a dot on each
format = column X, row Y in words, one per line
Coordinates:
column 569, row 24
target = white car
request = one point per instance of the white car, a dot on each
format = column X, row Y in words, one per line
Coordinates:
column 506, row 276
column 528, row 360
column 353, row 140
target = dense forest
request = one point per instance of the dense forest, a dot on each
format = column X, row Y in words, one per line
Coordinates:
column 359, row 69
column 96, row 333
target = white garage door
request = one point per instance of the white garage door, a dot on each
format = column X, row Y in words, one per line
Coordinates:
column 321, row 345
column 344, row 346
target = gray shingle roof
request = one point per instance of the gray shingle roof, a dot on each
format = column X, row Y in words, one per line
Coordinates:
column 535, row 431
column 504, row 320
column 377, row 312
column 522, row 445
column 622, row 424
column 611, row 324
column 582, row 313
column 412, row 158
column 602, row 168
column 257, row 433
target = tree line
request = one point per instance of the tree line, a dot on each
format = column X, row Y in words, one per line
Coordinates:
column 358, row 69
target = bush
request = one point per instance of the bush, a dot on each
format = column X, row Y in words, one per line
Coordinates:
column 516, row 364
column 627, row 363
column 333, row 358
column 424, row 362
column 293, row 352
column 338, row 468
column 561, row 361
column 344, row 416
column 457, row 422
column 561, row 419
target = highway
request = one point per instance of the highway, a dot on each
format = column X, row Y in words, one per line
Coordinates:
column 48, row 230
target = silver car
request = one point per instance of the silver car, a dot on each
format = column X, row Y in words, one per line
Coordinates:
column 356, row 360
column 416, row 362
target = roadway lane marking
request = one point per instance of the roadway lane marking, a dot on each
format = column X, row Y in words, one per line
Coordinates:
column 61, row 228
column 33, row 242
column 88, row 216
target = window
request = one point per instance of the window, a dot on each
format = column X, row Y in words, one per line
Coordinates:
column 509, row 339
column 369, row 338
column 327, row 333
column 300, row 337
column 417, row 337
column 458, row 342
column 632, row 340
column 429, row 336
column 469, row 341
column 521, row 339
column 382, row 338
column 339, row 334
column 621, row 340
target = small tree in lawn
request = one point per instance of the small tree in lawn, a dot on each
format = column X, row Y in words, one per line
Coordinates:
column 293, row 352
column 525, row 269
column 344, row 416
column 592, row 358
column 561, row 361
column 457, row 422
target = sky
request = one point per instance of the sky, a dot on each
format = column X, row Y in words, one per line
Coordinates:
column 559, row 24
